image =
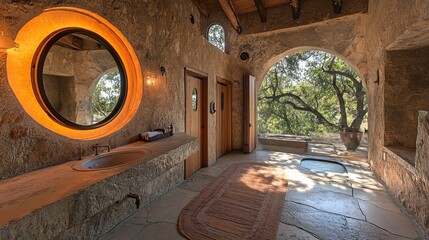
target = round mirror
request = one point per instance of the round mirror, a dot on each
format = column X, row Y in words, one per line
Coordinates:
column 194, row 100
column 80, row 79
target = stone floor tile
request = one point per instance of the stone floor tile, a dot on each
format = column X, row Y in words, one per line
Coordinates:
column 325, row 225
column 197, row 182
column 317, row 186
column 372, row 195
column 396, row 223
column 357, row 178
column 169, row 207
column 318, row 206
column 159, row 231
column 328, row 201
column 372, row 186
column 379, row 198
column 214, row 170
column 123, row 231
column 288, row 232
column 139, row 217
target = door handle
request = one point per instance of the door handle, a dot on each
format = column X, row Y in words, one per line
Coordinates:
column 250, row 125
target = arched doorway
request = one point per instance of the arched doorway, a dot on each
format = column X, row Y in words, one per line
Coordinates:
column 311, row 94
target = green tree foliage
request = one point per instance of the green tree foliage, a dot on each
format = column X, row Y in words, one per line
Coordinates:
column 216, row 36
column 106, row 95
column 311, row 91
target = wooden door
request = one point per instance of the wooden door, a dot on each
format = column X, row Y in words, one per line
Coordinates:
column 194, row 121
column 223, row 119
column 249, row 117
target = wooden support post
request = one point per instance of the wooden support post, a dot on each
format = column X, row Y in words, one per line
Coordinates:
column 230, row 12
column 296, row 8
column 261, row 10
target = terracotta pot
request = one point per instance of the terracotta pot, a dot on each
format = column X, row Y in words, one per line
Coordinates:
column 351, row 139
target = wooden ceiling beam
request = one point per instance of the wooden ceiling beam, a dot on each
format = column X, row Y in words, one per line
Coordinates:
column 202, row 7
column 72, row 42
column 296, row 8
column 261, row 10
column 337, row 4
column 230, row 12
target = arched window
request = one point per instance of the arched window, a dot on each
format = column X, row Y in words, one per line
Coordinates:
column 216, row 36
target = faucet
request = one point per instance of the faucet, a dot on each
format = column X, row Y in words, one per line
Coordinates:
column 136, row 197
column 96, row 147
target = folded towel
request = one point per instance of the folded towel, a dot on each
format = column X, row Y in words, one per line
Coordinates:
column 147, row 135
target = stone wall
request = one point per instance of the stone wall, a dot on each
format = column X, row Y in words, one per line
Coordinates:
column 341, row 36
column 161, row 34
column 406, row 84
column 388, row 24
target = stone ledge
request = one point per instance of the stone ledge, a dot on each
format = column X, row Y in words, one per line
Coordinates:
column 289, row 143
column 404, row 156
column 75, row 202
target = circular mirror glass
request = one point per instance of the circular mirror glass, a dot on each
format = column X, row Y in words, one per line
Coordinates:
column 80, row 79
column 194, row 99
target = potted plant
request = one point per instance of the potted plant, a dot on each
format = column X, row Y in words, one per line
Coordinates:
column 351, row 137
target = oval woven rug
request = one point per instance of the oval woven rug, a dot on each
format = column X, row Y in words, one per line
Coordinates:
column 244, row 202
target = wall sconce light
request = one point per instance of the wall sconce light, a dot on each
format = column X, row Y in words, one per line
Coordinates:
column 6, row 43
column 191, row 17
column 150, row 81
column 337, row 5
column 162, row 70
column 377, row 81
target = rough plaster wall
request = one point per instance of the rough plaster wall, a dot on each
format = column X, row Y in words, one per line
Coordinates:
column 78, row 73
column 388, row 20
column 60, row 61
column 343, row 37
column 61, row 94
column 422, row 156
column 161, row 34
column 406, row 84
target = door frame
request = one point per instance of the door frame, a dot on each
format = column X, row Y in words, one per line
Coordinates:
column 189, row 71
column 249, row 129
column 228, row 84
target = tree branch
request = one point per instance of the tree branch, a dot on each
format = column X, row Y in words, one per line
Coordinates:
column 340, row 97
column 304, row 107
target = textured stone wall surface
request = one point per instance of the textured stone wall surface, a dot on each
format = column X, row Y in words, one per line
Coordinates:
column 407, row 85
column 161, row 35
column 387, row 22
column 422, row 145
column 342, row 37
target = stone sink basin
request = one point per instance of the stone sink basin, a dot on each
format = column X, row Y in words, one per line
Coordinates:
column 111, row 160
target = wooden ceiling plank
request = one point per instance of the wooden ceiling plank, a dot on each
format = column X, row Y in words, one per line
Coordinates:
column 261, row 10
column 72, row 42
column 202, row 7
column 230, row 12
column 296, row 8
